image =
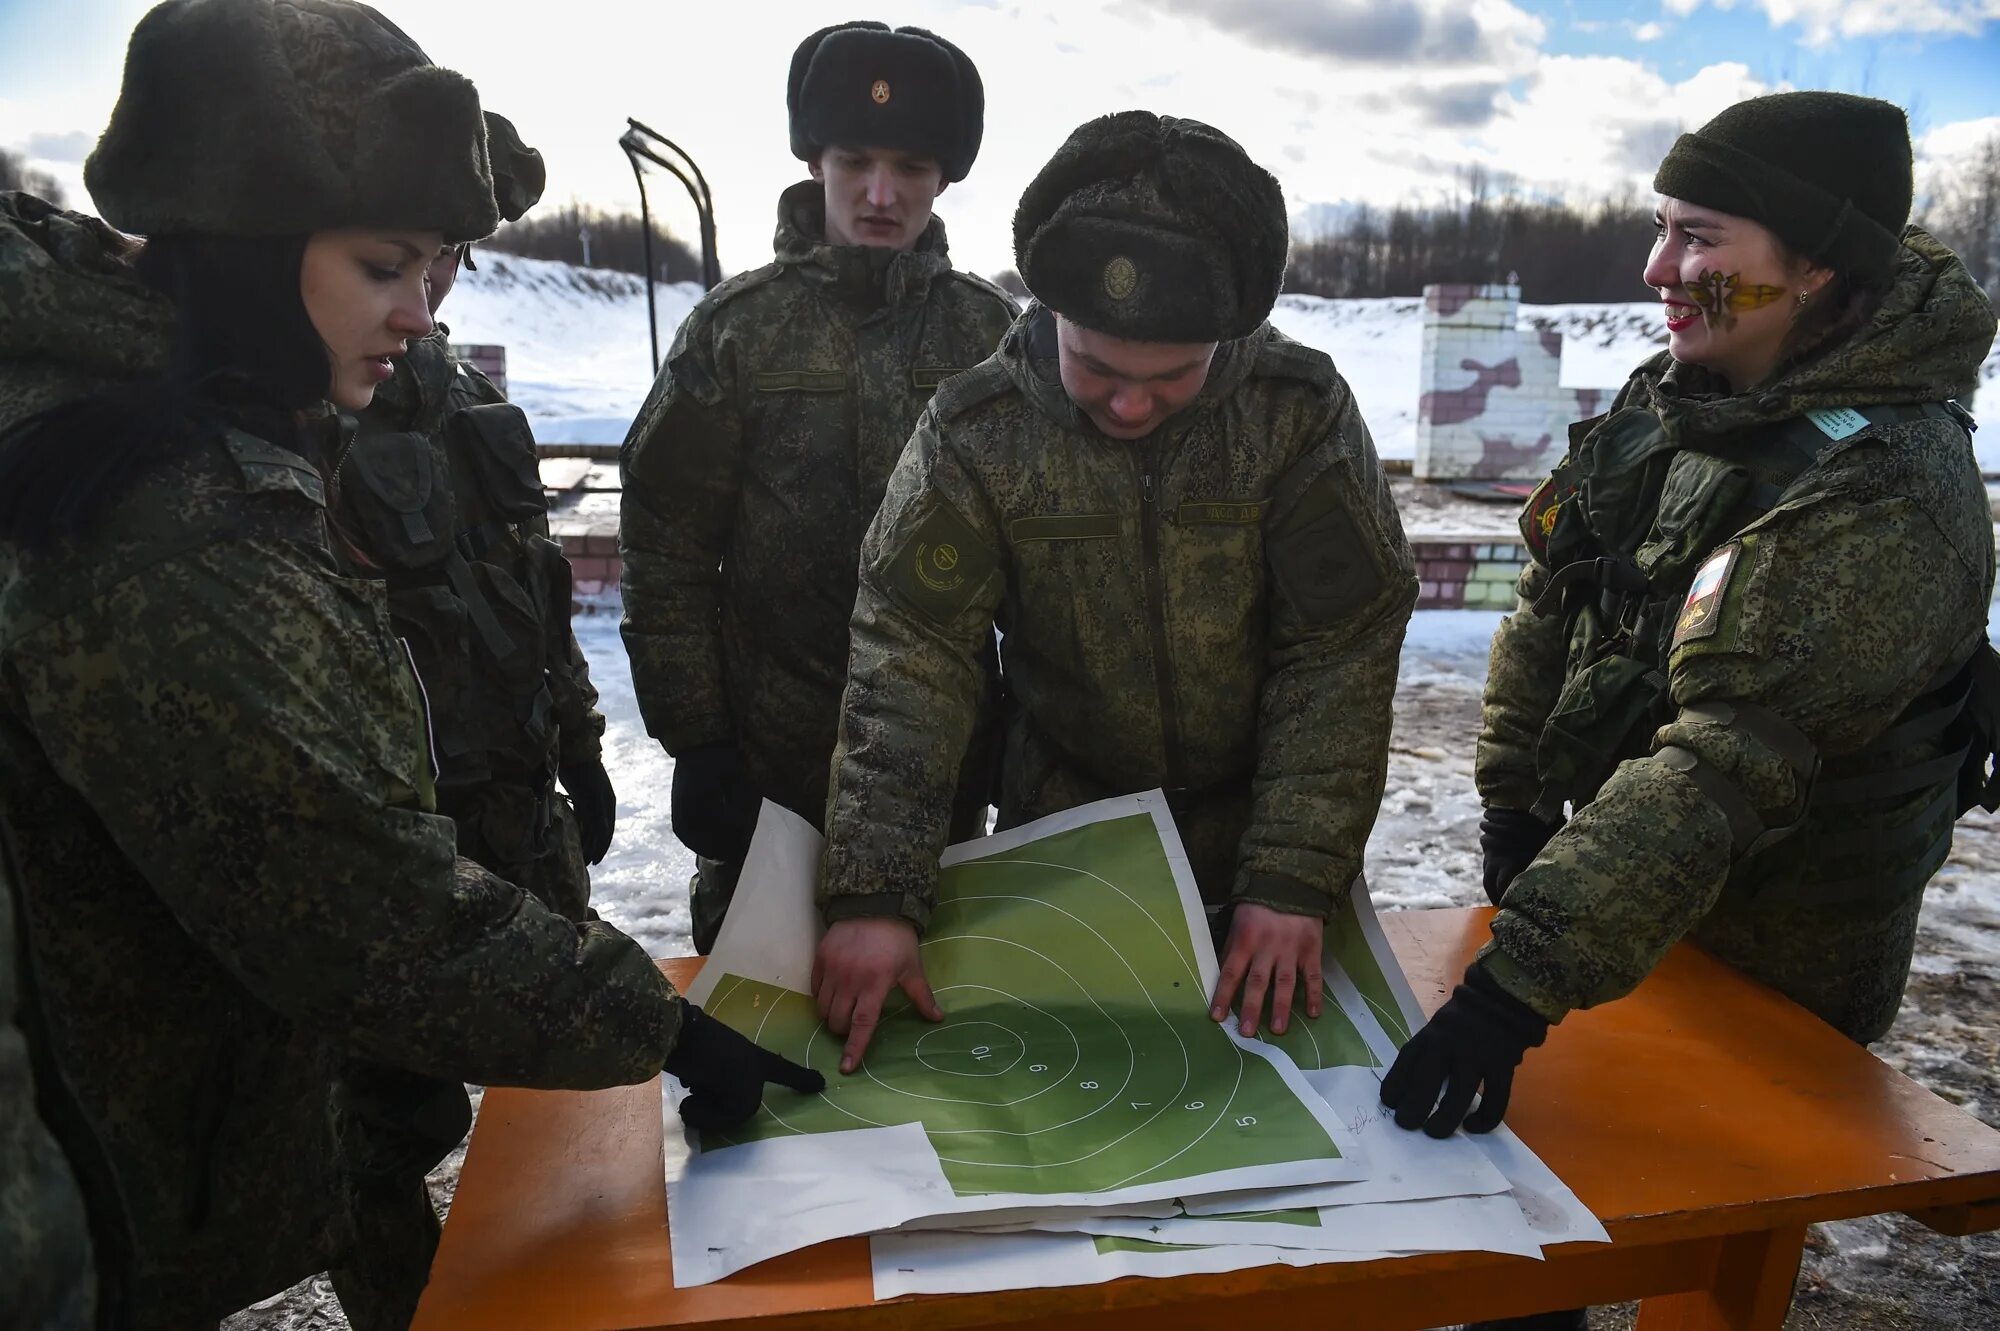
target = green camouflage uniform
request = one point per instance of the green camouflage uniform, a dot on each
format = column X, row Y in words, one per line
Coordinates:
column 1730, row 752
column 1215, row 609
column 213, row 770
column 46, row 1283
column 751, row 474
column 440, row 492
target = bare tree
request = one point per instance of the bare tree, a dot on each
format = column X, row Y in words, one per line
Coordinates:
column 1965, row 212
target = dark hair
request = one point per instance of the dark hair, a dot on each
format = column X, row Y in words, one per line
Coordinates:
column 245, row 353
column 1834, row 314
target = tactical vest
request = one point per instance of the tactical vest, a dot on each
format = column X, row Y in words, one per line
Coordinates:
column 454, row 522
column 1625, row 522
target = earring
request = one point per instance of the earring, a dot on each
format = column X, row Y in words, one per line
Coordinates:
column 1804, row 296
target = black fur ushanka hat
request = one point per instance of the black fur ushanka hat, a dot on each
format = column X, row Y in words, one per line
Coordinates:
column 864, row 85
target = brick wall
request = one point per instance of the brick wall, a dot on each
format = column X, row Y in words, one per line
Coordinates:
column 1492, row 405
column 490, row 360
column 593, row 562
column 1467, row 574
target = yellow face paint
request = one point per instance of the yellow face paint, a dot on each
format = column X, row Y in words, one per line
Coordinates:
column 1721, row 297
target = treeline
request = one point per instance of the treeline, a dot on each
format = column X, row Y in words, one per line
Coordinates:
column 1964, row 213
column 593, row 238
column 1559, row 250
column 1563, row 251
column 14, row 174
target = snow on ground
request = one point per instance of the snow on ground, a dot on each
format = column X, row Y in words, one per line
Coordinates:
column 578, row 359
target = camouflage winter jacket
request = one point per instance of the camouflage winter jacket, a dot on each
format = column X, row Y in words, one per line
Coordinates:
column 752, row 472
column 214, row 773
column 1762, row 801
column 46, row 1283
column 1216, row 609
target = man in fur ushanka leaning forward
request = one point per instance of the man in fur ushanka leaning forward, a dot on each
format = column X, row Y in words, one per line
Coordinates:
column 1176, row 518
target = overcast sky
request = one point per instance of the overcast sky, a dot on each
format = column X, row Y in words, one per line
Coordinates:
column 1344, row 100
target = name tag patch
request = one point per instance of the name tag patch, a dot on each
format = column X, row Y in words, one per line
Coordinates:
column 1701, row 615
column 1838, row 423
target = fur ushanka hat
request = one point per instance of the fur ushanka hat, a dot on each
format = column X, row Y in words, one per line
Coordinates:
column 1155, row 230
column 284, row 117
column 863, row 85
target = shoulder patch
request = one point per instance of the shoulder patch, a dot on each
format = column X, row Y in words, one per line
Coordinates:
column 940, row 566
column 959, row 393
column 1540, row 513
column 1701, row 614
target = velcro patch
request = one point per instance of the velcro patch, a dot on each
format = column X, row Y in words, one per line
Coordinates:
column 1320, row 559
column 941, row 565
column 1701, row 615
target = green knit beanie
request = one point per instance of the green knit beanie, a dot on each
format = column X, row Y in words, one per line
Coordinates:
column 284, row 117
column 1155, row 230
column 1828, row 172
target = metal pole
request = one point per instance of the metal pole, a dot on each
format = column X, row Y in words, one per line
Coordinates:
column 632, row 151
column 697, row 188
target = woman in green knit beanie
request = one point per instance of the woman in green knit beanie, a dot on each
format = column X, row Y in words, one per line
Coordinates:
column 1737, row 704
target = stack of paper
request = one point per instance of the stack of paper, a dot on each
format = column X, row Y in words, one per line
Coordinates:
column 1077, row 1116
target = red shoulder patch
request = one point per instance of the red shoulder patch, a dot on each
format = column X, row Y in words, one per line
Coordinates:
column 1539, row 515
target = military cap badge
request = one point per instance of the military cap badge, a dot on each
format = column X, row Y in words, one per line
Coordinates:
column 880, row 92
column 1121, row 277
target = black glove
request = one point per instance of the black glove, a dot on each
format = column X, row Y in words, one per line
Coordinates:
column 725, row 1073
column 596, row 805
column 715, row 806
column 1476, row 1039
column 1509, row 840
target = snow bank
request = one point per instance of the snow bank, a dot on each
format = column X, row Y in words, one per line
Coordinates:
column 578, row 361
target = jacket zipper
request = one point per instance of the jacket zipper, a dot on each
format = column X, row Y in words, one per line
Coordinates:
column 1156, row 614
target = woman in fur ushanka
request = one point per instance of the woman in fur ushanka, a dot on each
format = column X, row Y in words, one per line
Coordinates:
column 213, row 759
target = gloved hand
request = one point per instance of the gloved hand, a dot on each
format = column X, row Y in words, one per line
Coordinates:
column 715, row 806
column 1509, row 840
column 725, row 1072
column 596, row 805
column 1476, row 1040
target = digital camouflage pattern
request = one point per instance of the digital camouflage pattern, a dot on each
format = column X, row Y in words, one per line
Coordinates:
column 752, row 472
column 214, row 773
column 1215, row 609
column 1844, row 603
column 46, row 1283
column 438, row 493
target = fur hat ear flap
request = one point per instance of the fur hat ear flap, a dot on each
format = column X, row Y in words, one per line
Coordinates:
column 420, row 156
column 518, row 173
column 971, row 104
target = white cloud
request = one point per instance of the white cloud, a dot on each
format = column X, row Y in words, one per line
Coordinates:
column 1823, row 21
column 1648, row 32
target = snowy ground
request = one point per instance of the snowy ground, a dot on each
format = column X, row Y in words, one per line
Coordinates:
column 1884, row 1273
column 578, row 361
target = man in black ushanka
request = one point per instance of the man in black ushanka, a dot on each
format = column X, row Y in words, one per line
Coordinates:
column 1175, row 516
column 756, row 464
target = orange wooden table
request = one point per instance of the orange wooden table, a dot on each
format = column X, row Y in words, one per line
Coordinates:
column 1706, row 1120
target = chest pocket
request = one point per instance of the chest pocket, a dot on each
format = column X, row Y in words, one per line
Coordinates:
column 402, row 501
column 1620, row 472
column 1702, row 503
column 498, row 449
